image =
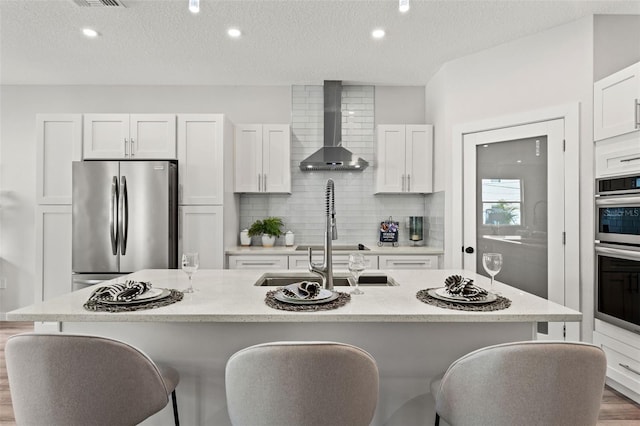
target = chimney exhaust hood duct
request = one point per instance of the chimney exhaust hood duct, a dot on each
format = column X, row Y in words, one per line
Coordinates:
column 332, row 156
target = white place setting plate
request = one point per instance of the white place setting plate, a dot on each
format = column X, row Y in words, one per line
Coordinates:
column 442, row 294
column 148, row 296
column 323, row 297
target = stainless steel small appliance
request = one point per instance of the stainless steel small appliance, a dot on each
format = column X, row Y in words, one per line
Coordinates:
column 618, row 210
column 416, row 233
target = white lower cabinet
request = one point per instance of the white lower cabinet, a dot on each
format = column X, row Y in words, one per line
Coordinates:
column 409, row 261
column 623, row 357
column 200, row 231
column 300, row 262
column 53, row 251
column 258, row 262
column 340, row 261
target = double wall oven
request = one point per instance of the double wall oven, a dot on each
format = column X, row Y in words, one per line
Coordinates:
column 618, row 251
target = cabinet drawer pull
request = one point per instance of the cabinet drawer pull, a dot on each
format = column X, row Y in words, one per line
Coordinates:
column 259, row 263
column 409, row 263
column 625, row 366
column 626, row 160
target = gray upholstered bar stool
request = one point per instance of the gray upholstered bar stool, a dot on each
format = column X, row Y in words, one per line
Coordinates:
column 523, row 383
column 301, row 383
column 64, row 379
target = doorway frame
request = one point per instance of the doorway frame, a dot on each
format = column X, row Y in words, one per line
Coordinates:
column 570, row 113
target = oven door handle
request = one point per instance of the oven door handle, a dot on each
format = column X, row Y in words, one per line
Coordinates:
column 629, row 254
column 622, row 201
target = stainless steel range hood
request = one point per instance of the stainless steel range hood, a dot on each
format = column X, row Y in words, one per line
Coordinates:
column 332, row 156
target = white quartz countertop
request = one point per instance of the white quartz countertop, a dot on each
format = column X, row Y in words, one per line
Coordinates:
column 230, row 296
column 374, row 249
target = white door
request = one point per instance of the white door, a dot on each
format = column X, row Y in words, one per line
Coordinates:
column 419, row 157
column 390, row 158
column 248, row 158
column 514, row 205
column 276, row 148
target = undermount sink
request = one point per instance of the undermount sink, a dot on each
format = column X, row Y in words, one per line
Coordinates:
column 279, row 279
column 350, row 247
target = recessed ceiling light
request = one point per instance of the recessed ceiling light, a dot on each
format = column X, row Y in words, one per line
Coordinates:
column 89, row 32
column 379, row 33
column 234, row 32
column 194, row 6
column 403, row 6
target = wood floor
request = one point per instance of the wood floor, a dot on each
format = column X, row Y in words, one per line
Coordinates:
column 616, row 409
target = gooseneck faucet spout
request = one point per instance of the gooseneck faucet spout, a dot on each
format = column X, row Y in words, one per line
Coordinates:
column 325, row 270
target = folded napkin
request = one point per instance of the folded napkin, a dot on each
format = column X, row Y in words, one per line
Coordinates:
column 302, row 290
column 120, row 292
column 457, row 285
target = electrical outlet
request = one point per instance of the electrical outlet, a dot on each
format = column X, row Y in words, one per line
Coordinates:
column 3, row 283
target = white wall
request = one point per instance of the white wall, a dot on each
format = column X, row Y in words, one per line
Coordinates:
column 19, row 106
column 616, row 43
column 548, row 69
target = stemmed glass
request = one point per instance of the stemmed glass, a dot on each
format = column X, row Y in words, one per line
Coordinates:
column 356, row 266
column 492, row 263
column 190, row 264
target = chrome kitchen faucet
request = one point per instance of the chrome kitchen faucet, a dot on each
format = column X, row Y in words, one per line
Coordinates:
column 325, row 270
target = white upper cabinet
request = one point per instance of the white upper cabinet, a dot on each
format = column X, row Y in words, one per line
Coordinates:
column 404, row 158
column 59, row 142
column 616, row 103
column 129, row 136
column 203, row 140
column 262, row 158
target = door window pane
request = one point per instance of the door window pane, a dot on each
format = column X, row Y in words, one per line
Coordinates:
column 501, row 199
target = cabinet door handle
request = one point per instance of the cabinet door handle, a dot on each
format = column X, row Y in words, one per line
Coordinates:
column 259, row 181
column 264, row 182
column 131, row 148
column 626, row 367
column 626, row 160
column 409, row 183
column 403, row 177
column 126, row 144
column 637, row 106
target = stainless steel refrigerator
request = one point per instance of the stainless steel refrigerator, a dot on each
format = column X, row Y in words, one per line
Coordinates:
column 125, row 218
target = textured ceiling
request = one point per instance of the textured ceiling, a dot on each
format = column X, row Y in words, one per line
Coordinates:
column 159, row 42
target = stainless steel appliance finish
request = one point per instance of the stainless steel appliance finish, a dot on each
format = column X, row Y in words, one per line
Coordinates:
column 618, row 210
column 332, row 156
column 124, row 216
column 618, row 285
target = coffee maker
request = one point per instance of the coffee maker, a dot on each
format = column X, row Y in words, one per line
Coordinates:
column 416, row 234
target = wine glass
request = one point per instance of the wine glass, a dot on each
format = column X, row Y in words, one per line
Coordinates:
column 492, row 263
column 356, row 266
column 190, row 264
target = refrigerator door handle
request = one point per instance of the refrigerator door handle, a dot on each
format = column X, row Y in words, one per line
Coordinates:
column 124, row 216
column 113, row 216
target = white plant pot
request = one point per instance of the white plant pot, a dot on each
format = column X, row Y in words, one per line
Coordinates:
column 268, row 240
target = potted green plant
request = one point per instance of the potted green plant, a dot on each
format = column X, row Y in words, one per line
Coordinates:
column 269, row 229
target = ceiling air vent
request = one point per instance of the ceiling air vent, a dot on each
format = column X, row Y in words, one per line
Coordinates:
column 99, row 3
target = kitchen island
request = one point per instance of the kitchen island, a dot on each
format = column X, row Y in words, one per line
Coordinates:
column 411, row 341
